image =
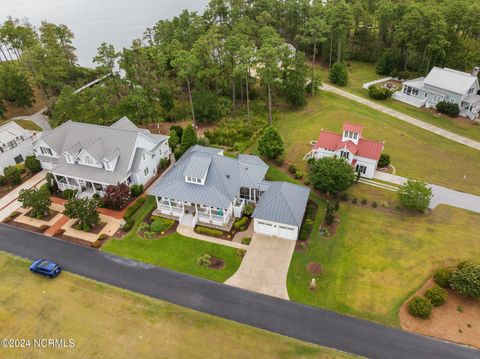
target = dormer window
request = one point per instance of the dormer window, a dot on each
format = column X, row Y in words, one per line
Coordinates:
column 46, row 151
column 68, row 158
column 88, row 160
column 107, row 166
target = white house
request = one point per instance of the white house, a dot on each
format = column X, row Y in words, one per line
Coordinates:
column 204, row 187
column 88, row 157
column 16, row 143
column 444, row 84
column 360, row 153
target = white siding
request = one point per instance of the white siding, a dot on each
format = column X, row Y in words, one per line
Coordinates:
column 7, row 158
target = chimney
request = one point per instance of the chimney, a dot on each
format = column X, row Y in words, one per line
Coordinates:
column 475, row 71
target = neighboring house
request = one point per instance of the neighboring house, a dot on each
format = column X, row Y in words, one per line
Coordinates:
column 88, row 157
column 444, row 84
column 360, row 153
column 16, row 143
column 210, row 189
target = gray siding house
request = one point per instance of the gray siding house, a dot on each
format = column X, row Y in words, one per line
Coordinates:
column 205, row 187
column 88, row 158
column 444, row 84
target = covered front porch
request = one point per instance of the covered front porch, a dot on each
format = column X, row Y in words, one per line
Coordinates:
column 84, row 188
column 192, row 214
column 470, row 106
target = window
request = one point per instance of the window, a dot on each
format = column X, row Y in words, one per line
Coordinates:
column 452, row 100
column 107, row 166
column 68, row 158
column 12, row 144
column 361, row 169
column 245, row 193
column 199, row 180
column 46, row 151
column 437, row 98
column 470, row 91
column 355, row 135
column 88, row 160
column 1, row 149
column 345, row 154
column 146, row 171
column 426, row 94
column 415, row 91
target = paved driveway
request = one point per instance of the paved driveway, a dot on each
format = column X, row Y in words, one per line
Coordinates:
column 265, row 266
column 441, row 195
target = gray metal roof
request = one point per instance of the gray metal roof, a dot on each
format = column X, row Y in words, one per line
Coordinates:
column 222, row 184
column 10, row 131
column 283, row 202
column 197, row 168
column 450, row 80
column 101, row 142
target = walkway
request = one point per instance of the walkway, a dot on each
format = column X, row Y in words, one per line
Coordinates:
column 265, row 266
column 189, row 232
column 292, row 319
column 9, row 203
column 441, row 195
column 38, row 118
column 50, row 232
column 401, row 116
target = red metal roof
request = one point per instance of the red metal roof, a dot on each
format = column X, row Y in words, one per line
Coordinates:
column 352, row 128
column 365, row 148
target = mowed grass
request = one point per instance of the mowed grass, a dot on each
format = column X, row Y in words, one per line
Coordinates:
column 415, row 153
column 377, row 259
column 174, row 251
column 363, row 72
column 108, row 322
column 26, row 124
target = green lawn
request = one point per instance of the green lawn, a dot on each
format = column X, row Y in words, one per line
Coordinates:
column 26, row 124
column 109, row 322
column 362, row 72
column 377, row 259
column 415, row 153
column 174, row 251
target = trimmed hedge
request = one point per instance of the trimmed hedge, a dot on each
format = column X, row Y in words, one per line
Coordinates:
column 442, row 277
column 379, row 93
column 128, row 224
column 451, row 109
column 209, row 231
column 130, row 211
column 436, row 295
column 241, row 224
column 162, row 225
column 420, row 307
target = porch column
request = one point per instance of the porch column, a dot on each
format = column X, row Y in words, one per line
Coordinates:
column 93, row 187
column 56, row 179
column 156, row 200
column 78, row 184
column 170, row 204
column 224, row 215
column 210, row 212
column 196, row 208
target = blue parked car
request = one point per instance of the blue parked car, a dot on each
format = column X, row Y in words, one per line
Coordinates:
column 46, row 267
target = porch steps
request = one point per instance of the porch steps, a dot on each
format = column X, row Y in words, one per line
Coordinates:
column 188, row 220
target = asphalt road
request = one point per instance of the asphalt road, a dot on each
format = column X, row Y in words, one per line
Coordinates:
column 295, row 320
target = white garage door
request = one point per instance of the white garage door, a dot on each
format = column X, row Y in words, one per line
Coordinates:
column 288, row 232
column 263, row 227
column 275, row 229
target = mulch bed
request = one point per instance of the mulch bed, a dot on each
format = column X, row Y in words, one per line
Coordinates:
column 228, row 236
column 95, row 230
column 51, row 214
column 314, row 268
column 301, row 246
column 25, row 226
column 75, row 240
column 216, row 263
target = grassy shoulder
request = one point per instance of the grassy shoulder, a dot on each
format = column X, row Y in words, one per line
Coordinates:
column 109, row 322
column 173, row 251
column 377, row 259
column 362, row 72
column 415, row 153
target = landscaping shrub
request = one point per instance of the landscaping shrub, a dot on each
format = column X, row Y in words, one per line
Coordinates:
column 466, row 280
column 246, row 240
column 13, row 175
column 303, row 235
column 442, row 277
column 420, row 307
column 241, row 224
column 128, row 224
column 379, row 93
column 43, row 227
column 354, row 201
column 270, row 144
column 364, row 201
column 97, row 244
column 248, row 210
column 164, row 162
column 404, row 75
column 130, row 211
column 52, row 184
column 117, row 197
column 84, row 210
column 3, row 180
column 33, row 164
column 136, row 189
column 240, row 252
column 68, row 194
column 292, row 169
column 332, row 207
column 102, row 236
column 374, row 205
column 384, row 160
column 436, row 295
column 162, row 225
column 45, row 188
column 339, row 74
column 415, row 195
column 451, row 109
column 205, row 260
column 299, row 175
column 209, row 231
column 306, row 181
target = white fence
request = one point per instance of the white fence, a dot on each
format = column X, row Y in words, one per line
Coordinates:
column 368, row 84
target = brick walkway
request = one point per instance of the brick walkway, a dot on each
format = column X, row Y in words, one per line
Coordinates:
column 56, row 226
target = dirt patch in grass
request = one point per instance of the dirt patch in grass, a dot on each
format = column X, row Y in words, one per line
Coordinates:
column 216, row 263
column 314, row 268
column 458, row 320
